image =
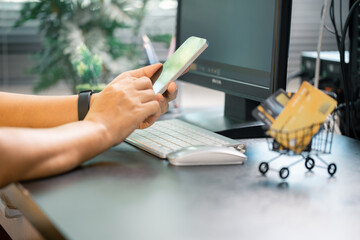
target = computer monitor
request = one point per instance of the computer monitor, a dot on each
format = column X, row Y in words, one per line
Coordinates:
column 248, row 49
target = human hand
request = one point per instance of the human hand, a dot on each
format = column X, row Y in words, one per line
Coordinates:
column 169, row 95
column 127, row 103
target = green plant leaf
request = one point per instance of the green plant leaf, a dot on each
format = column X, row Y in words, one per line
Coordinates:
column 64, row 24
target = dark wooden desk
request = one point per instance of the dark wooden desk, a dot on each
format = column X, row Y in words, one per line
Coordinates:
column 125, row 193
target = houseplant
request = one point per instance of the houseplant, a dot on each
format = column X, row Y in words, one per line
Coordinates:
column 98, row 25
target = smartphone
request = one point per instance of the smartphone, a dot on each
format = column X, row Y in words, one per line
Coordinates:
column 178, row 63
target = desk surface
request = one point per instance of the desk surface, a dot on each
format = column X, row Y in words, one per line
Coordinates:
column 125, row 193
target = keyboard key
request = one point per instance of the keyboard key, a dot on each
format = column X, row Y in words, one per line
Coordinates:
column 166, row 136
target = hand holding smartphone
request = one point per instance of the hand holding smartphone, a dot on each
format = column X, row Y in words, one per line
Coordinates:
column 178, row 63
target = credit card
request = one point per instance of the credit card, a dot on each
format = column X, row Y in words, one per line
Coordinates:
column 302, row 117
column 270, row 109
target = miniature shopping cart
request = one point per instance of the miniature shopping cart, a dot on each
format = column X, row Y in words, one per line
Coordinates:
column 309, row 143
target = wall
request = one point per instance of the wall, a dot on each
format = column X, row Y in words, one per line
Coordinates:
column 16, row 46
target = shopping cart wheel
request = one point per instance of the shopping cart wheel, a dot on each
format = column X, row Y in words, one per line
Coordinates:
column 309, row 163
column 264, row 167
column 284, row 173
column 332, row 169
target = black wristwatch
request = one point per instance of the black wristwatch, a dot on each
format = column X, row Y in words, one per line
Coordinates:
column 84, row 103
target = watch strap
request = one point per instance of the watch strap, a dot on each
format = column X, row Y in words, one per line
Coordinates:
column 84, row 103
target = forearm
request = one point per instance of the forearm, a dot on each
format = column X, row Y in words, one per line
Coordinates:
column 34, row 153
column 18, row 110
column 26, row 153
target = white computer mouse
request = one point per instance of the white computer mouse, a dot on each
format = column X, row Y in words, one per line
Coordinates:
column 206, row 155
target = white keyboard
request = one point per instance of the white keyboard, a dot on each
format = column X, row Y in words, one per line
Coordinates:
column 164, row 137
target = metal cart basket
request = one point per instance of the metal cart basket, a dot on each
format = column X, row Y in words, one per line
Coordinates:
column 308, row 142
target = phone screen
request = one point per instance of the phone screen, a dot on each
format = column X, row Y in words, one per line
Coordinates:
column 179, row 61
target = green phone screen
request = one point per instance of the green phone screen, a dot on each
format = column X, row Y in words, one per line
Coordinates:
column 179, row 61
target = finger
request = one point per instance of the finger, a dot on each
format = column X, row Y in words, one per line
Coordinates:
column 172, row 88
column 152, row 108
column 156, row 75
column 147, row 96
column 143, row 83
column 186, row 71
column 171, row 92
column 147, row 71
column 164, row 105
column 148, row 122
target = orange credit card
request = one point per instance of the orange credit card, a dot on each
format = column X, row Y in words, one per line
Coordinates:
column 302, row 117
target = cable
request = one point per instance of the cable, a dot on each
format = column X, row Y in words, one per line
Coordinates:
column 338, row 39
column 317, row 68
column 344, row 72
column 350, row 107
column 341, row 23
column 333, row 21
column 340, row 108
column 329, row 29
column 346, row 83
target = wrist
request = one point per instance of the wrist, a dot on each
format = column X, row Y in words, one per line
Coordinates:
column 102, row 132
column 92, row 99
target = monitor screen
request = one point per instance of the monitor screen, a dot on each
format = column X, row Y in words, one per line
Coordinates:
column 248, row 45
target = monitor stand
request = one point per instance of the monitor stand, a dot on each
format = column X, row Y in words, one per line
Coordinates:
column 234, row 121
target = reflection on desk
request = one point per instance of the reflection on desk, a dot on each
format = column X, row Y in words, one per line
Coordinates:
column 125, row 193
